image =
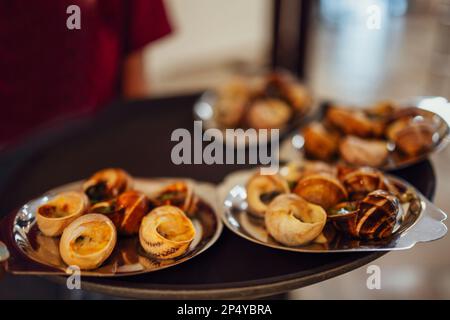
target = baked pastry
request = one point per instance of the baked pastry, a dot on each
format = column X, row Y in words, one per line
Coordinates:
column 363, row 152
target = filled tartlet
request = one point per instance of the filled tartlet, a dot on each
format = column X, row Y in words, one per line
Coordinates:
column 126, row 211
column 88, row 241
column 107, row 184
column 55, row 215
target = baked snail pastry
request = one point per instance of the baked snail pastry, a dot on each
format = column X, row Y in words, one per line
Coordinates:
column 294, row 171
column 229, row 112
column 374, row 217
column 166, row 232
column 107, row 184
column 363, row 152
column 314, row 167
column 88, row 241
column 231, row 102
column 282, row 86
column 319, row 142
column 292, row 221
column 261, row 190
column 350, row 121
column 236, row 88
column 126, row 211
column 179, row 194
column 412, row 136
column 298, row 97
column 53, row 216
column 362, row 181
column 321, row 189
column 268, row 114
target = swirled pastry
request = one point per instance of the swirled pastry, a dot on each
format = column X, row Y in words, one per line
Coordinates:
column 166, row 232
column 293, row 221
column 373, row 217
column 261, row 189
column 107, row 184
column 321, row 189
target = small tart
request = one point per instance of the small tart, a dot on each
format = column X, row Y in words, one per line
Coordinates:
column 53, row 216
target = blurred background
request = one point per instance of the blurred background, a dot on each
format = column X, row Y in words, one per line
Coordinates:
column 408, row 55
column 330, row 45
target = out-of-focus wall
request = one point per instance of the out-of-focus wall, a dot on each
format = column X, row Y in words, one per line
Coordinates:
column 211, row 39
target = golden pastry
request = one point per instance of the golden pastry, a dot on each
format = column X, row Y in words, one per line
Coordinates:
column 363, row 152
column 126, row 211
column 268, row 114
column 321, row 189
column 412, row 136
column 88, row 241
column 179, row 194
column 53, row 216
column 292, row 221
column 320, row 143
column 261, row 189
column 362, row 181
column 350, row 121
column 107, row 184
column 166, row 232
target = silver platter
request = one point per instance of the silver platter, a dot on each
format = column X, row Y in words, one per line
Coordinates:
column 292, row 147
column 33, row 253
column 418, row 221
column 204, row 110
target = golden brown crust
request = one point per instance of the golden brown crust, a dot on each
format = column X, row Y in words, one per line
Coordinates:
column 320, row 143
column 321, row 189
column 363, row 152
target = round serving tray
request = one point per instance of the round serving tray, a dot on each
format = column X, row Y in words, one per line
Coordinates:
column 34, row 253
column 292, row 148
column 418, row 221
column 136, row 136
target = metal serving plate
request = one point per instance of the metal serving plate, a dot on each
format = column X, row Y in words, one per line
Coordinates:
column 418, row 221
column 438, row 107
column 205, row 109
column 33, row 253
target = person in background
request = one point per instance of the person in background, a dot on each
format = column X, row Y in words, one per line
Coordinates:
column 49, row 72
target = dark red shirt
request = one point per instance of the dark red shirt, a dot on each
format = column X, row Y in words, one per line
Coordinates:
column 49, row 72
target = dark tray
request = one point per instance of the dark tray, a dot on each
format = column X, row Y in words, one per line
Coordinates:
column 136, row 137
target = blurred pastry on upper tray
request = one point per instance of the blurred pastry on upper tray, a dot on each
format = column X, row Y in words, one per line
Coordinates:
column 270, row 101
column 384, row 135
